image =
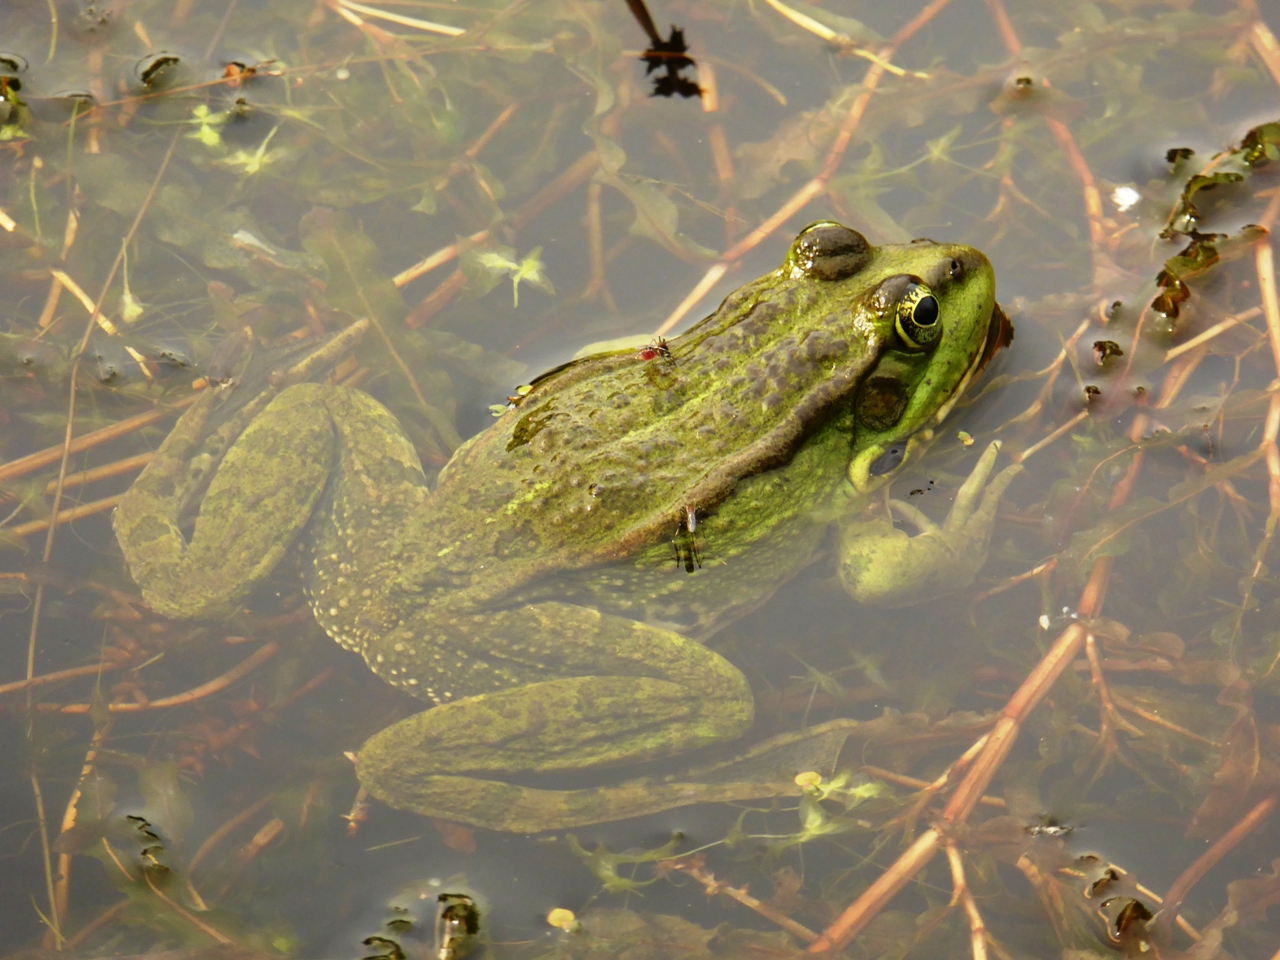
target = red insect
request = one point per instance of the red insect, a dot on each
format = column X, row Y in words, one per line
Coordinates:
column 656, row 349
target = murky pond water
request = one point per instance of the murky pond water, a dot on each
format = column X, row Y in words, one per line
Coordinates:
column 1075, row 754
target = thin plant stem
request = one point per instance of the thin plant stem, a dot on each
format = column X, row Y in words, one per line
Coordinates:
column 207, row 689
column 740, row 894
column 1205, row 862
column 53, row 935
column 227, row 828
column 62, row 888
column 42, row 458
column 964, row 896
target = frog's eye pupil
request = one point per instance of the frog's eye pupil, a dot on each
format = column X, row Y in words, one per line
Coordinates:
column 919, row 315
column 925, row 313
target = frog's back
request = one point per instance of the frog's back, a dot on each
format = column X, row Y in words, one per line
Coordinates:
column 604, row 456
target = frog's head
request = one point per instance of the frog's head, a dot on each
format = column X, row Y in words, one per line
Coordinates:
column 928, row 308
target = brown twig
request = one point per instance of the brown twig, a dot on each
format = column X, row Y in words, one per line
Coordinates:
column 1130, row 707
column 1266, row 46
column 1267, row 290
column 1109, row 716
column 187, row 915
column 712, row 886
column 1039, row 570
column 97, row 923
column 1205, row 862
column 534, row 207
column 437, row 299
column 53, row 935
column 1058, row 433
column 598, row 284
column 960, row 893
column 1050, row 895
column 226, row 829
column 1217, row 329
column 62, row 887
column 235, row 674
column 104, row 472
column 1080, row 167
column 66, row 516
column 249, row 851
column 87, row 670
column 42, row 458
column 889, row 776
column 216, row 37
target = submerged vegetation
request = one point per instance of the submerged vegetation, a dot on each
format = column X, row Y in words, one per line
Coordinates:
column 1080, row 757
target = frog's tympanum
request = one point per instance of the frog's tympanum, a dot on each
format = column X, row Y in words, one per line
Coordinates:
column 549, row 596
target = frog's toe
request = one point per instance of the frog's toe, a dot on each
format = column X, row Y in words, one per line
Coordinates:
column 995, row 491
column 971, row 489
column 976, row 500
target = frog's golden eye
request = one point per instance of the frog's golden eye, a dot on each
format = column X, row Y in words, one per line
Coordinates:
column 919, row 317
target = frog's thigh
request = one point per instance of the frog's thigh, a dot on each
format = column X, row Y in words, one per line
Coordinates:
column 627, row 692
column 258, row 501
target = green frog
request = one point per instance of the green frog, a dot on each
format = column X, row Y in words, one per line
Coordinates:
column 550, row 596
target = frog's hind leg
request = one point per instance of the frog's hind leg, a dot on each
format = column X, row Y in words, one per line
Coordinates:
column 257, row 503
column 615, row 692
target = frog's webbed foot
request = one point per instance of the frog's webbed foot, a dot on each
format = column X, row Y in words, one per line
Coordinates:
column 884, row 566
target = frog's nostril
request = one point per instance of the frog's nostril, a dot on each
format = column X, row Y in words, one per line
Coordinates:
column 956, row 269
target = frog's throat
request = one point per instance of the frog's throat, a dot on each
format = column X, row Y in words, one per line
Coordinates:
column 963, row 386
column 917, row 440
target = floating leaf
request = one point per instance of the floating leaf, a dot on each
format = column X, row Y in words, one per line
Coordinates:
column 605, row 864
column 208, row 126
column 656, row 216
column 1261, row 145
column 357, row 283
column 249, row 162
column 167, row 805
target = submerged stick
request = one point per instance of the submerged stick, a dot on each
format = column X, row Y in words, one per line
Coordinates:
column 1206, row 861
column 236, row 673
column 712, row 886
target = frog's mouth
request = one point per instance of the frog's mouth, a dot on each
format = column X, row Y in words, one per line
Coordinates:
column 871, row 470
column 999, row 335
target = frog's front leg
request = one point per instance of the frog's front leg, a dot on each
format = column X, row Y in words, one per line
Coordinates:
column 884, row 566
column 257, row 503
column 572, row 690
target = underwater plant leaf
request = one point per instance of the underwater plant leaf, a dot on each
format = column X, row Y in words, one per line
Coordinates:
column 357, row 283
column 167, row 804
